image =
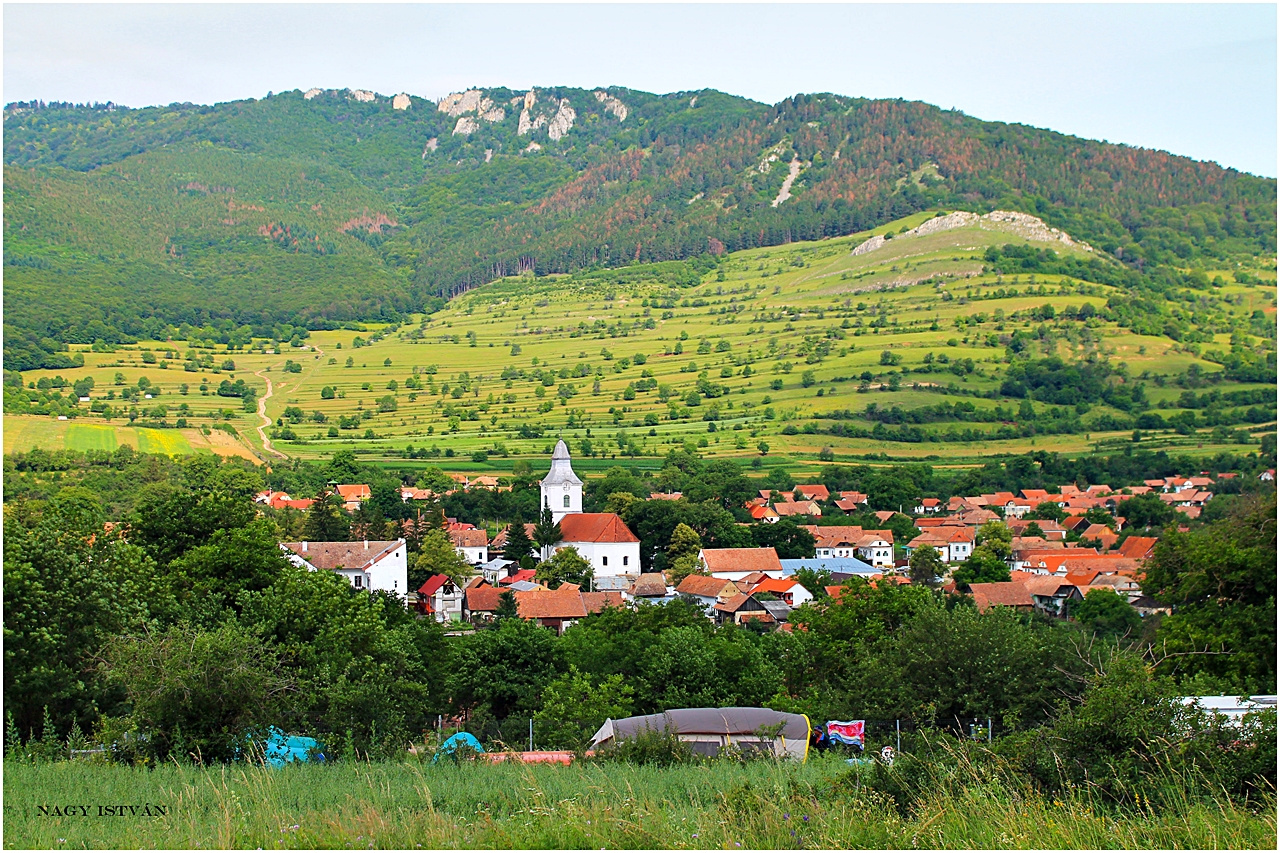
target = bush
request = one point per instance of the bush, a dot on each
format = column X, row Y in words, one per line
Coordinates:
column 656, row 748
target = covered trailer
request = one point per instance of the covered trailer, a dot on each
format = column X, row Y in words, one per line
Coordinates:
column 708, row 730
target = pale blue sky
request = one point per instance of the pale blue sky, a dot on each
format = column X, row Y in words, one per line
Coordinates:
column 1198, row 80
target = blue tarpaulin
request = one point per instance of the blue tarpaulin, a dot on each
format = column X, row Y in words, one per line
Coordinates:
column 282, row 748
column 458, row 741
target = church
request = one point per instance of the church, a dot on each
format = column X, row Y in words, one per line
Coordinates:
column 601, row 538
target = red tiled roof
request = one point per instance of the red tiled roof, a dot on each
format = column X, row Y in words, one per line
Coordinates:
column 483, row 599
column 741, row 560
column 595, row 527
column 775, row 585
column 1137, row 547
column 595, row 602
column 1004, row 594
column 813, row 493
column 522, row 575
column 785, row 508
column 473, row 538
column 706, row 586
column 353, row 491
column 550, row 604
column 650, row 584
column 433, row 583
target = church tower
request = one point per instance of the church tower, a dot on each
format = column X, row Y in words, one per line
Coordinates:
column 561, row 488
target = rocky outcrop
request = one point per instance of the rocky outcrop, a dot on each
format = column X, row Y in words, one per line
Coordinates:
column 1022, row 224
column 528, row 124
column 793, row 172
column 491, row 113
column 364, row 96
column 310, row 93
column 532, row 147
column 562, row 121
column 400, row 102
column 612, row 105
column 460, row 102
column 432, row 144
column 869, row 245
column 488, row 154
column 466, row 126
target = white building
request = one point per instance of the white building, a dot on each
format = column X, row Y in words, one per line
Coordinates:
column 561, row 488
column 471, row 544
column 603, row 540
column 367, row 565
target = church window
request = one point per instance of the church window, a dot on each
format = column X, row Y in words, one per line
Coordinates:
column 566, row 501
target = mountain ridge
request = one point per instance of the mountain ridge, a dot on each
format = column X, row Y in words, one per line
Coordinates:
column 285, row 181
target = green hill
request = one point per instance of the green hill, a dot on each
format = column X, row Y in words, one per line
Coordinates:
column 938, row 335
column 337, row 208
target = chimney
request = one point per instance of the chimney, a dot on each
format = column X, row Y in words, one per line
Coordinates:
column 366, row 544
column 304, row 547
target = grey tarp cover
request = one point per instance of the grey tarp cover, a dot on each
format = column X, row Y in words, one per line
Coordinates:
column 726, row 722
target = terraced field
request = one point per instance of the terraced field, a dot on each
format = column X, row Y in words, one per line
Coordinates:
column 749, row 358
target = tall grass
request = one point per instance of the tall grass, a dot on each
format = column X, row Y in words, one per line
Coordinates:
column 724, row 805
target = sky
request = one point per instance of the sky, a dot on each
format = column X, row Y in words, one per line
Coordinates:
column 1193, row 79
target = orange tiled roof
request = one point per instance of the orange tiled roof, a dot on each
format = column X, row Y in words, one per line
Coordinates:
column 741, row 560
column 595, row 527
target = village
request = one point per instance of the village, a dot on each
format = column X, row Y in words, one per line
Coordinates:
column 1057, row 548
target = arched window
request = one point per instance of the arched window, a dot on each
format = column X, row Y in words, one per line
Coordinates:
column 566, row 501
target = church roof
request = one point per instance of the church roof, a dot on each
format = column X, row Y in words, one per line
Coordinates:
column 561, row 472
column 595, row 527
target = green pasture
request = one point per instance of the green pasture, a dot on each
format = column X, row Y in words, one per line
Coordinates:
column 727, row 806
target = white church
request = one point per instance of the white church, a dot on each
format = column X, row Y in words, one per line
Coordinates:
column 602, row 538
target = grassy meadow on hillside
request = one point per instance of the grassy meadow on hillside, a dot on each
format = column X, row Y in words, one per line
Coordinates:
column 766, row 354
column 760, row 805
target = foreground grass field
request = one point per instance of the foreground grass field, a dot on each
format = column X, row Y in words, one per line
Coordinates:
column 724, row 806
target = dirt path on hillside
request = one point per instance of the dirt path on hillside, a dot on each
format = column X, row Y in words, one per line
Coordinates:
column 262, row 410
column 785, row 192
column 266, row 421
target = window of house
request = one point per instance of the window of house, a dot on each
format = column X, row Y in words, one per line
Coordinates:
column 624, row 560
column 604, row 561
column 359, row 582
column 566, row 501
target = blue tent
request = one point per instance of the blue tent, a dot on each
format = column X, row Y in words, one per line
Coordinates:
column 459, row 741
column 282, row 749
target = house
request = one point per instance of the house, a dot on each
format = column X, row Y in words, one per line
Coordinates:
column 851, row 502
column 353, row 495
column 520, row 576
column 497, row 568
column 480, row 602
column 651, row 587
column 367, row 565
column 707, row 591
column 736, row 563
column 763, row 513
column 795, row 508
column 1050, row 530
column 1051, row 595
column 953, row 544
column 739, row 608
column 471, row 543
column 441, row 599
column 665, row 496
column 778, row 610
column 557, row 609
column 794, row 594
column 812, row 493
column 603, row 540
column 1003, row 594
column 1100, row 533
column 928, row 506
column 873, row 546
column 1050, row 562
column 1268, row 476
column 1137, row 548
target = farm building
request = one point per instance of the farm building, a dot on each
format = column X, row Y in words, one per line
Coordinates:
column 708, row 730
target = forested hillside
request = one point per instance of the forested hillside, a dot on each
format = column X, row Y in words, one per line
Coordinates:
column 331, row 207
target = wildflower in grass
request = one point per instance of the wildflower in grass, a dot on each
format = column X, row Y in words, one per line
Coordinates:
column 786, row 815
column 804, row 818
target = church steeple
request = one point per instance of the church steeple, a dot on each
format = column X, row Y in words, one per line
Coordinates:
column 561, row 488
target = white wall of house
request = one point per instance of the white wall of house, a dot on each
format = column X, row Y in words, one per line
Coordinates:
column 447, row 606
column 960, row 551
column 878, row 553
column 609, row 558
column 391, row 573
column 475, row 556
